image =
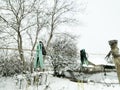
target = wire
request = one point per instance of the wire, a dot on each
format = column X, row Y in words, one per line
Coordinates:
column 16, row 49
column 35, row 50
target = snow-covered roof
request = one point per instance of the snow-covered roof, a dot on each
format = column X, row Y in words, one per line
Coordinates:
column 98, row 60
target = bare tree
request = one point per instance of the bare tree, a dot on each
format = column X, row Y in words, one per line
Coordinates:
column 41, row 23
column 18, row 17
column 59, row 15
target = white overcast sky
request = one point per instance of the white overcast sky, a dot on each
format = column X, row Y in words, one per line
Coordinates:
column 102, row 23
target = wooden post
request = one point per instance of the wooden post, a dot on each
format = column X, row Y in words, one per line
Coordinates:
column 116, row 56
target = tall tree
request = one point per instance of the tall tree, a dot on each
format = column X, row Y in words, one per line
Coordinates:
column 18, row 17
column 59, row 14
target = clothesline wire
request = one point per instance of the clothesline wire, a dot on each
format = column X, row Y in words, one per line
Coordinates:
column 2, row 48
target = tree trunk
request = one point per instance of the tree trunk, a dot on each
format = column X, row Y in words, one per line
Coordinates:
column 32, row 61
column 20, row 49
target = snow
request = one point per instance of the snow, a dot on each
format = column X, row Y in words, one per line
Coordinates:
column 95, row 82
column 7, row 83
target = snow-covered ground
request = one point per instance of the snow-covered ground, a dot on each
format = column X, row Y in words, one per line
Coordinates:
column 99, row 82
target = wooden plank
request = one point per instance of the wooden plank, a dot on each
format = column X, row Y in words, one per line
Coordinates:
column 116, row 56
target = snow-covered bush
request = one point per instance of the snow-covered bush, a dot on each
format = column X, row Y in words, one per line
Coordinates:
column 11, row 64
column 63, row 54
column 10, row 67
